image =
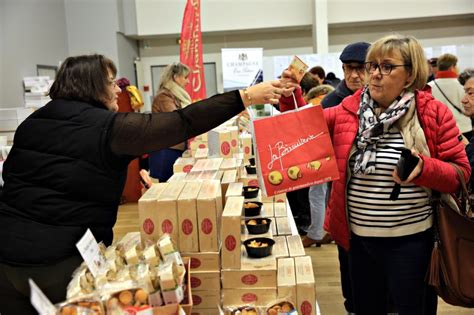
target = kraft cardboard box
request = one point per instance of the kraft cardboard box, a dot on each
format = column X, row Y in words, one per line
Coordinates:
column 228, row 164
column 204, row 299
column 248, row 296
column 209, row 210
column 234, row 139
column 206, row 311
column 280, row 209
column 295, row 246
column 183, row 165
column 283, row 226
column 148, row 212
column 280, row 198
column 219, row 142
column 253, row 273
column 200, row 165
column 204, row 261
column 228, row 177
column 249, row 179
column 280, row 249
column 246, row 144
column 305, row 289
column 177, row 177
column 187, row 217
column 201, row 153
column 196, row 144
column 168, row 210
column 205, row 280
column 230, row 233
column 286, row 281
column 234, row 189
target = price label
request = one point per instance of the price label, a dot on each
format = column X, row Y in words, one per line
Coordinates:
column 90, row 252
column 39, row 301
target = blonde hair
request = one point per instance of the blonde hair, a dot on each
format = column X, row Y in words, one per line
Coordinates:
column 176, row 68
column 446, row 61
column 412, row 54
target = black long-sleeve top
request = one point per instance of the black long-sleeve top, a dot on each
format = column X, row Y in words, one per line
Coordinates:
column 134, row 134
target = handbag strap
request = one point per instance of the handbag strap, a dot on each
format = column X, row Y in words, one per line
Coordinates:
column 465, row 201
column 439, row 88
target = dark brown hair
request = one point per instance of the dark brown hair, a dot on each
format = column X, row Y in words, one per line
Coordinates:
column 319, row 71
column 308, row 82
column 83, row 78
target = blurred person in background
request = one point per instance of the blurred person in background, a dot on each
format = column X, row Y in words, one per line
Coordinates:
column 67, row 168
column 319, row 74
column 447, row 89
column 352, row 58
column 171, row 96
column 433, row 68
column 316, row 94
column 332, row 79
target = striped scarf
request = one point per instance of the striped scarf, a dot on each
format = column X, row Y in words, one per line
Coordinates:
column 373, row 128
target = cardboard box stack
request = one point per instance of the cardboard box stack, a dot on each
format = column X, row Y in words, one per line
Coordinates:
column 202, row 208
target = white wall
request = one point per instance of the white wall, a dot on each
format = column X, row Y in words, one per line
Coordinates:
column 31, row 32
column 164, row 17
column 93, row 27
column 127, row 50
column 458, row 32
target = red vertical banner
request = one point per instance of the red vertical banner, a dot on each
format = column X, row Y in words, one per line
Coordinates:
column 191, row 49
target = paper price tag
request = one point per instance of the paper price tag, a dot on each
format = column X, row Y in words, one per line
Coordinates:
column 90, row 252
column 39, row 301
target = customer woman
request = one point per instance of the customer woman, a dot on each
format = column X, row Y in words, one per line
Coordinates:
column 67, row 168
column 390, row 241
column 466, row 78
column 171, row 96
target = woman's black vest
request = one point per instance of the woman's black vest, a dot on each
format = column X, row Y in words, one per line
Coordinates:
column 60, row 179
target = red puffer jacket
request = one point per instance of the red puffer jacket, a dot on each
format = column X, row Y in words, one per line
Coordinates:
column 442, row 136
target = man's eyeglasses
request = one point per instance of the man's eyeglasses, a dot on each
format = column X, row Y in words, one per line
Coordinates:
column 384, row 68
column 349, row 68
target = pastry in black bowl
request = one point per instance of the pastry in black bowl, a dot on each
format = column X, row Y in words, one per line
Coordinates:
column 258, row 226
column 250, row 192
column 259, row 247
column 252, row 208
column 251, row 169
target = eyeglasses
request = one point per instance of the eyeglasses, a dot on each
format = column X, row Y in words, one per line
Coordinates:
column 349, row 68
column 384, row 68
column 113, row 83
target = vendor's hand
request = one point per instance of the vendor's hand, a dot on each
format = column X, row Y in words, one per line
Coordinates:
column 414, row 174
column 262, row 93
column 288, row 80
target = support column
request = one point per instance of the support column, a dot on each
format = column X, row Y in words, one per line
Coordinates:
column 320, row 27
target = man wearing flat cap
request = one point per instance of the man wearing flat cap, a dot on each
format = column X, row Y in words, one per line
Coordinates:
column 353, row 59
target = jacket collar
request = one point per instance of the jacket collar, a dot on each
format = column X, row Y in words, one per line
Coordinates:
column 352, row 102
column 446, row 74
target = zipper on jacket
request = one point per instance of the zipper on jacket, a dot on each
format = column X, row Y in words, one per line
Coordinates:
column 348, row 178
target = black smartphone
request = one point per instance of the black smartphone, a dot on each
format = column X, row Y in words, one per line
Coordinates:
column 406, row 164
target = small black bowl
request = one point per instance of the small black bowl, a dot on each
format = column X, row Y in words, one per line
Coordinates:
column 259, row 252
column 251, row 169
column 252, row 161
column 250, row 191
column 251, row 212
column 260, row 227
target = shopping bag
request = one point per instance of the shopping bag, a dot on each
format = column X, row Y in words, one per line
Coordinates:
column 293, row 150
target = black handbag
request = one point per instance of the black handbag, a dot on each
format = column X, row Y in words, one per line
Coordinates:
column 451, row 269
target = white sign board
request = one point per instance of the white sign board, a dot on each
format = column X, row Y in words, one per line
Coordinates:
column 241, row 67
